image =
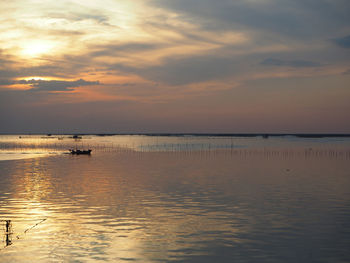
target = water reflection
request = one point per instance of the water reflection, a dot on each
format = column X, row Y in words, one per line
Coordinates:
column 177, row 207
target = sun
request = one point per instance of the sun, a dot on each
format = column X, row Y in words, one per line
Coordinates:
column 36, row 48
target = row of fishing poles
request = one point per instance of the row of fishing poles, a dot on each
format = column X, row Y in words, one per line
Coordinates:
column 181, row 148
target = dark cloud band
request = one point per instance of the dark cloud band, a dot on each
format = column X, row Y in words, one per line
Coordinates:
column 290, row 63
column 56, row 85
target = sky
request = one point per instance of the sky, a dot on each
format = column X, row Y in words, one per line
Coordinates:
column 182, row 66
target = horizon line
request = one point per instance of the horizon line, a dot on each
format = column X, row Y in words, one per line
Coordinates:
column 302, row 135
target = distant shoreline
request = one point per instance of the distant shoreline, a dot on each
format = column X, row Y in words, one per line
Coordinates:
column 264, row 135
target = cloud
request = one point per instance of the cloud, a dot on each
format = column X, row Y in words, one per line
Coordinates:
column 121, row 49
column 56, row 85
column 290, row 63
column 81, row 16
column 5, row 82
column 184, row 70
column 5, row 60
column 291, row 18
column 182, row 41
column 191, row 69
column 68, row 67
column 343, row 42
column 7, row 74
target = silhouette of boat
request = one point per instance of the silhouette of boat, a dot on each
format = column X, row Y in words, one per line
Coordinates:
column 80, row 151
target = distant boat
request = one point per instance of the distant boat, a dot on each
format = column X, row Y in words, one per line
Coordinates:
column 80, row 151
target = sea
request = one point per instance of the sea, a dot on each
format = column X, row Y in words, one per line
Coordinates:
column 175, row 198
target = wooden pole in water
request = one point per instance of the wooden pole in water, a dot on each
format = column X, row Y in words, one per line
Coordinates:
column 8, row 232
column 8, row 224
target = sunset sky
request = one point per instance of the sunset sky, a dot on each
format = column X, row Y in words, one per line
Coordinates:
column 175, row 66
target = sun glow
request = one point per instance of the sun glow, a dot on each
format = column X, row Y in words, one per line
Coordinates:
column 36, row 78
column 37, row 48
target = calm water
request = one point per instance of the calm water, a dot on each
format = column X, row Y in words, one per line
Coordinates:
column 175, row 200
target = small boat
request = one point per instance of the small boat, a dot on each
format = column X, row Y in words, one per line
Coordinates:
column 80, row 151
